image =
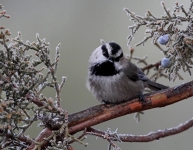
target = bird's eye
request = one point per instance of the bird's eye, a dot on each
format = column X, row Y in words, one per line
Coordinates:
column 105, row 51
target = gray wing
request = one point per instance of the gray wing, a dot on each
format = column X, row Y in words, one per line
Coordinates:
column 134, row 73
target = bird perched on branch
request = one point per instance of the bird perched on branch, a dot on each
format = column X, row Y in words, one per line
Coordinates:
column 113, row 79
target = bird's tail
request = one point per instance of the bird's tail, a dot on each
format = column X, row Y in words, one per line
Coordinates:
column 155, row 86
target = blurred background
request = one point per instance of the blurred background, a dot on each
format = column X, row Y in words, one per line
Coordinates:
column 79, row 26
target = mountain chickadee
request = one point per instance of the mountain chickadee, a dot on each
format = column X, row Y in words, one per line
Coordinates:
column 113, row 79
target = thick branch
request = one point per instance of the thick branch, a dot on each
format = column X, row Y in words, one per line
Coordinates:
column 45, row 133
column 98, row 114
column 101, row 113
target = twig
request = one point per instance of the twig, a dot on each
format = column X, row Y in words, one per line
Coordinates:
column 166, row 10
column 157, row 64
column 145, row 138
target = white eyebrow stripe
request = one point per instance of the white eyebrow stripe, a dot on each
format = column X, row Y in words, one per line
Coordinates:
column 119, row 53
column 109, row 48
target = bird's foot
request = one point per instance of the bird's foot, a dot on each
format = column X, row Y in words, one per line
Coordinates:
column 142, row 98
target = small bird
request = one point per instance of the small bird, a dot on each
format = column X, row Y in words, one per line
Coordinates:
column 112, row 79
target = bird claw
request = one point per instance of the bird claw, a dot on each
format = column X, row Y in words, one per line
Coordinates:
column 142, row 98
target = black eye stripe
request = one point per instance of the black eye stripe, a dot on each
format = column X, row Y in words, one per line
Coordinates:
column 105, row 51
column 118, row 58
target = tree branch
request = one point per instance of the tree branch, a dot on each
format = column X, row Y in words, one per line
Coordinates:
column 98, row 114
column 101, row 113
column 141, row 138
column 157, row 64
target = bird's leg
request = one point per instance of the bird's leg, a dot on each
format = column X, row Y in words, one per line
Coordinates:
column 142, row 98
